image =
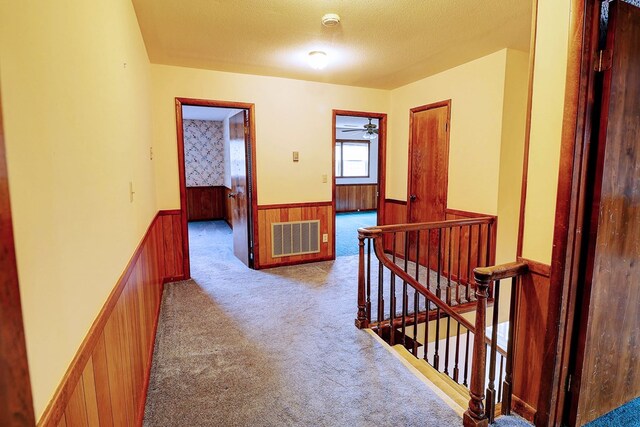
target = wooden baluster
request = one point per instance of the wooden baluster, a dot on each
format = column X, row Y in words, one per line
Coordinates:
column 459, row 278
column 465, row 381
column 446, row 349
column 438, row 290
column 456, row 370
column 416, row 297
column 369, row 281
column 426, row 328
column 469, row 273
column 436, row 355
column 508, row 379
column 449, row 268
column 500, row 378
column 428, row 262
column 475, row 415
column 380, row 297
column 405, row 300
column 392, row 296
column 491, row 391
column 361, row 317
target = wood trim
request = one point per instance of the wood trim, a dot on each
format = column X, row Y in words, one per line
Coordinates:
column 288, row 263
column 251, row 158
column 536, row 267
column 396, row 202
column 294, row 205
column 382, row 159
column 16, row 403
column 467, row 214
column 356, row 185
column 527, row 132
column 147, row 273
column 412, row 111
column 523, row 409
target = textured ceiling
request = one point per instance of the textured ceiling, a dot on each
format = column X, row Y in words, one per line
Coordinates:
column 379, row 43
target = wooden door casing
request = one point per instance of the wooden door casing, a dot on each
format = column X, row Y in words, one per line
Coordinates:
column 608, row 344
column 428, row 170
column 239, row 188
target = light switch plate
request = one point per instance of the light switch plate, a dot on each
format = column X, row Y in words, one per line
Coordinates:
column 296, row 156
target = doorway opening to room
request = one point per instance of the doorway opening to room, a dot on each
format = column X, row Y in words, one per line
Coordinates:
column 359, row 153
column 216, row 159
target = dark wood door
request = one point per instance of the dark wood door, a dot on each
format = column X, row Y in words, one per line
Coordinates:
column 607, row 372
column 428, row 168
column 240, row 206
column 16, row 407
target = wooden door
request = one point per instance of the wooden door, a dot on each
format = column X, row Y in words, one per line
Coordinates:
column 240, row 199
column 16, row 407
column 607, row 372
column 428, row 168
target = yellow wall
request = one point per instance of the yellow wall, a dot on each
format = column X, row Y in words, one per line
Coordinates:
column 511, row 155
column 546, row 128
column 78, row 129
column 476, row 92
column 291, row 115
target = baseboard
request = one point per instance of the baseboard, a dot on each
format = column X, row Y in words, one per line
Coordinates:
column 523, row 409
column 289, row 263
column 122, row 336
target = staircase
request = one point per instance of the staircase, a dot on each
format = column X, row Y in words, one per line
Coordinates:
column 424, row 289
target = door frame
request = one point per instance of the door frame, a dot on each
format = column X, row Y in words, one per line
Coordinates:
column 382, row 162
column 251, row 170
column 412, row 112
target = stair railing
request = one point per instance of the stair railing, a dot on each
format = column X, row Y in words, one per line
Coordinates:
column 434, row 273
column 479, row 413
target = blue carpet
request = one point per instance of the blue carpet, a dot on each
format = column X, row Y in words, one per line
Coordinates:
column 625, row 416
column 347, row 225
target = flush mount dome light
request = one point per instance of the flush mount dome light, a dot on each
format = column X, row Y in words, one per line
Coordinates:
column 330, row 19
column 318, row 59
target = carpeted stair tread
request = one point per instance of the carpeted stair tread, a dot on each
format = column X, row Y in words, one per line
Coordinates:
column 454, row 391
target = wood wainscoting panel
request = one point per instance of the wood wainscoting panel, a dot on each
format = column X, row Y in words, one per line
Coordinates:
column 395, row 212
column 206, row 203
column 532, row 311
column 356, row 197
column 106, row 383
column 268, row 214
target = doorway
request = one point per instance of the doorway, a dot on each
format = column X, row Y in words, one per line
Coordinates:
column 359, row 153
column 216, row 158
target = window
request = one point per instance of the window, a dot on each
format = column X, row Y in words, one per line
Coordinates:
column 352, row 159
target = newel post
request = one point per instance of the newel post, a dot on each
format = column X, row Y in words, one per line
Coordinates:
column 361, row 318
column 475, row 415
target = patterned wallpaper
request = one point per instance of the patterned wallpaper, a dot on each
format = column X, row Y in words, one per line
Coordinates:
column 203, row 153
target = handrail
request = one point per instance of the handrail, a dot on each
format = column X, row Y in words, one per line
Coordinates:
column 499, row 272
column 379, row 251
column 381, row 229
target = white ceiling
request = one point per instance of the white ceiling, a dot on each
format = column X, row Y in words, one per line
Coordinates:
column 194, row 112
column 379, row 43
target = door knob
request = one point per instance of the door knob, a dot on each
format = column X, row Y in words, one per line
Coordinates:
column 413, row 197
column 231, row 195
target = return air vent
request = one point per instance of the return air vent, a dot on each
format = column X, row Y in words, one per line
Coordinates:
column 295, row 238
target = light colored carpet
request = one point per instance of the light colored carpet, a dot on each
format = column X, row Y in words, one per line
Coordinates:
column 237, row 347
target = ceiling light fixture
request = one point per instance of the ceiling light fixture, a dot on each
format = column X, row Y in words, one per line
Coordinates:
column 370, row 134
column 318, row 59
column 330, row 19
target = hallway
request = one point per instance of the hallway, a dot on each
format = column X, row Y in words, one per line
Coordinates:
column 238, row 347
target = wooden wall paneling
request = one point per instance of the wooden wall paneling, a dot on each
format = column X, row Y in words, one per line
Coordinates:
column 269, row 214
column 76, row 413
column 101, row 379
column 206, row 203
column 356, row 197
column 90, row 397
column 395, row 212
column 107, row 380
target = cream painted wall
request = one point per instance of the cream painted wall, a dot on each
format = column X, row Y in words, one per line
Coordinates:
column 75, row 95
column 476, row 90
column 511, row 155
column 546, row 128
column 291, row 115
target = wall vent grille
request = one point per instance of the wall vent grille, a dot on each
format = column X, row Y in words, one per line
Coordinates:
column 295, row 238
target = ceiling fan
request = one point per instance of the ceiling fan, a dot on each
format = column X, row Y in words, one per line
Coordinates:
column 370, row 130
